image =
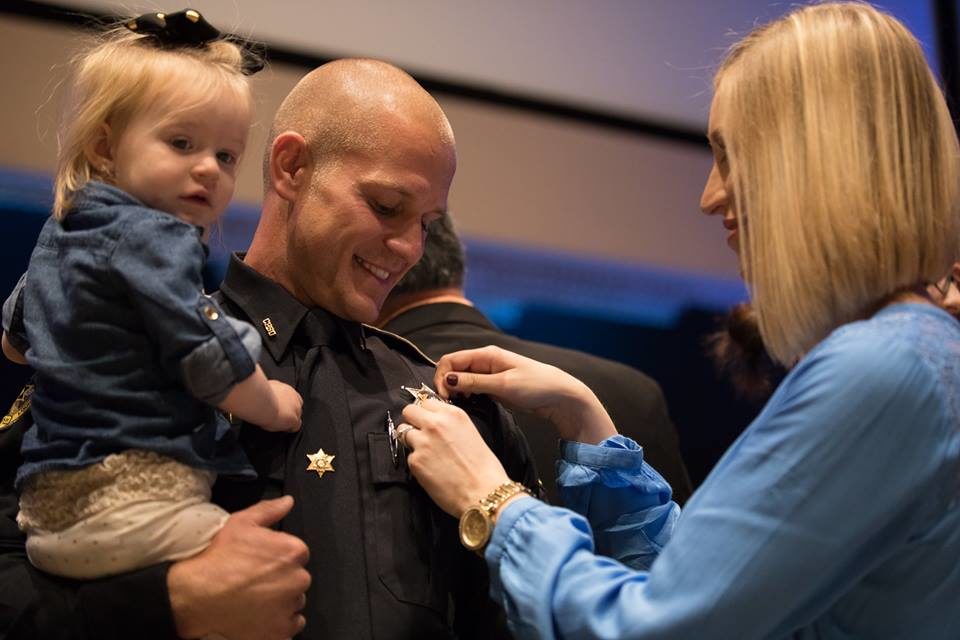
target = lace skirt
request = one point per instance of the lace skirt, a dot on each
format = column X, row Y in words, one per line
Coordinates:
column 131, row 510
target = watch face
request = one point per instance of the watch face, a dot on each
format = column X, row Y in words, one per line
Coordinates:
column 474, row 528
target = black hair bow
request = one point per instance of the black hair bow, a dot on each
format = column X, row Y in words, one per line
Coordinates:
column 188, row 28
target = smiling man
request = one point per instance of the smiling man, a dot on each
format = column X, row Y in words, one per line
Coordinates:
column 359, row 163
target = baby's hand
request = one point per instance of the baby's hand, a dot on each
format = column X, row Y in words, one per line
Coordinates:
column 289, row 407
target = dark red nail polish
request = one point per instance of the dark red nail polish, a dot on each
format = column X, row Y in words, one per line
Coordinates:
column 452, row 379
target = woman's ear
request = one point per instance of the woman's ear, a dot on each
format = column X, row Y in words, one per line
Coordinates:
column 99, row 151
column 290, row 165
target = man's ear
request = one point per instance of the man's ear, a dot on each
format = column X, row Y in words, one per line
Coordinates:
column 290, row 165
column 99, row 151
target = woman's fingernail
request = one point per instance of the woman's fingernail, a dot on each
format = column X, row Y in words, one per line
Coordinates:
column 452, row 379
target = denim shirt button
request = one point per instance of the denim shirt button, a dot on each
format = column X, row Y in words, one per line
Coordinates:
column 211, row 313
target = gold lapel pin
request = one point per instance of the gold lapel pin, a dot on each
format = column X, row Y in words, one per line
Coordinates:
column 268, row 325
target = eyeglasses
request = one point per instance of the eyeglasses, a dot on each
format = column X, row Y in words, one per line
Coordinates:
column 943, row 285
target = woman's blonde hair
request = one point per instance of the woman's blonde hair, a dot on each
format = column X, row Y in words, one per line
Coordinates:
column 843, row 167
column 121, row 73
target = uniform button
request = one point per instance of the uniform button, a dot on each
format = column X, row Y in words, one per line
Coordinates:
column 211, row 313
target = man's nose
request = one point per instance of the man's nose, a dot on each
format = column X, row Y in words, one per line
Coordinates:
column 408, row 242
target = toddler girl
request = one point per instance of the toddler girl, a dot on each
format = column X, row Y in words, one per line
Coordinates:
column 132, row 360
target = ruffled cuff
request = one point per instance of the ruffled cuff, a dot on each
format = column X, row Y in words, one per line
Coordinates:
column 625, row 500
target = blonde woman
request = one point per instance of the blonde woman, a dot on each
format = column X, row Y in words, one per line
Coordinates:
column 837, row 513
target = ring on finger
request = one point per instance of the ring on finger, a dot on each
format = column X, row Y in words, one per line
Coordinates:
column 402, row 433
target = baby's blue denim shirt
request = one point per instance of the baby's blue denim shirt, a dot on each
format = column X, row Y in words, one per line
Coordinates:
column 129, row 352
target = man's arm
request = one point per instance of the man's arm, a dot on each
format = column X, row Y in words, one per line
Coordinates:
column 248, row 584
column 35, row 605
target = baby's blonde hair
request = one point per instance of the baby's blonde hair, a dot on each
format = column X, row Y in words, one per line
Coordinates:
column 121, row 73
column 843, row 165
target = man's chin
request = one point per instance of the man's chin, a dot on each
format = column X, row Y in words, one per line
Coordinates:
column 361, row 309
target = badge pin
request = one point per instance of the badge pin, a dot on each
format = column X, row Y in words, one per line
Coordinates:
column 320, row 462
column 422, row 394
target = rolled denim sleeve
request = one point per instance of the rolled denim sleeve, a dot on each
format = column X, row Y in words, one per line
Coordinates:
column 13, row 324
column 208, row 370
column 158, row 261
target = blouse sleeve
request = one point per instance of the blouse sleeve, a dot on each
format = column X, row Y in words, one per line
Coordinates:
column 625, row 500
column 790, row 518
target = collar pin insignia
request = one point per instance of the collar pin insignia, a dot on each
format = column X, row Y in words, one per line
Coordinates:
column 268, row 325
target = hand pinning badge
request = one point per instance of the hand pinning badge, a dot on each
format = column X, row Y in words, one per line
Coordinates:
column 396, row 434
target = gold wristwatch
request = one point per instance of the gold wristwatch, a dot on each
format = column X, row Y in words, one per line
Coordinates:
column 476, row 523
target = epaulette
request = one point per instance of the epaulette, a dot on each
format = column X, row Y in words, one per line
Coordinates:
column 14, row 424
column 19, row 408
column 401, row 344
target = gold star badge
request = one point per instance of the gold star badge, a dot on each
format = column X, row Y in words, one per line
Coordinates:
column 320, row 462
column 422, row 394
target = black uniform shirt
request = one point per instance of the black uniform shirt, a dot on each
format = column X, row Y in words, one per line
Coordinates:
column 385, row 561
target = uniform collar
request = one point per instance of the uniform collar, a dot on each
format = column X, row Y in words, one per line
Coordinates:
column 277, row 315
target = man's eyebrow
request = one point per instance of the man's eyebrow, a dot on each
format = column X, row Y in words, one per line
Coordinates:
column 387, row 184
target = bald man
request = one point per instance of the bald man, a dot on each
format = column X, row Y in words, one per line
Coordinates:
column 359, row 164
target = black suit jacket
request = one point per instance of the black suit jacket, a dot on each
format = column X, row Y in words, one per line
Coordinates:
column 634, row 401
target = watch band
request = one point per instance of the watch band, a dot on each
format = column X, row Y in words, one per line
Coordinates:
column 501, row 494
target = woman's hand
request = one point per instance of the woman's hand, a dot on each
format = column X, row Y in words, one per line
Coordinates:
column 528, row 386
column 449, row 457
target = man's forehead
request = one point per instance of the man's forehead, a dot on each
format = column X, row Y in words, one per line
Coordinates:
column 413, row 171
